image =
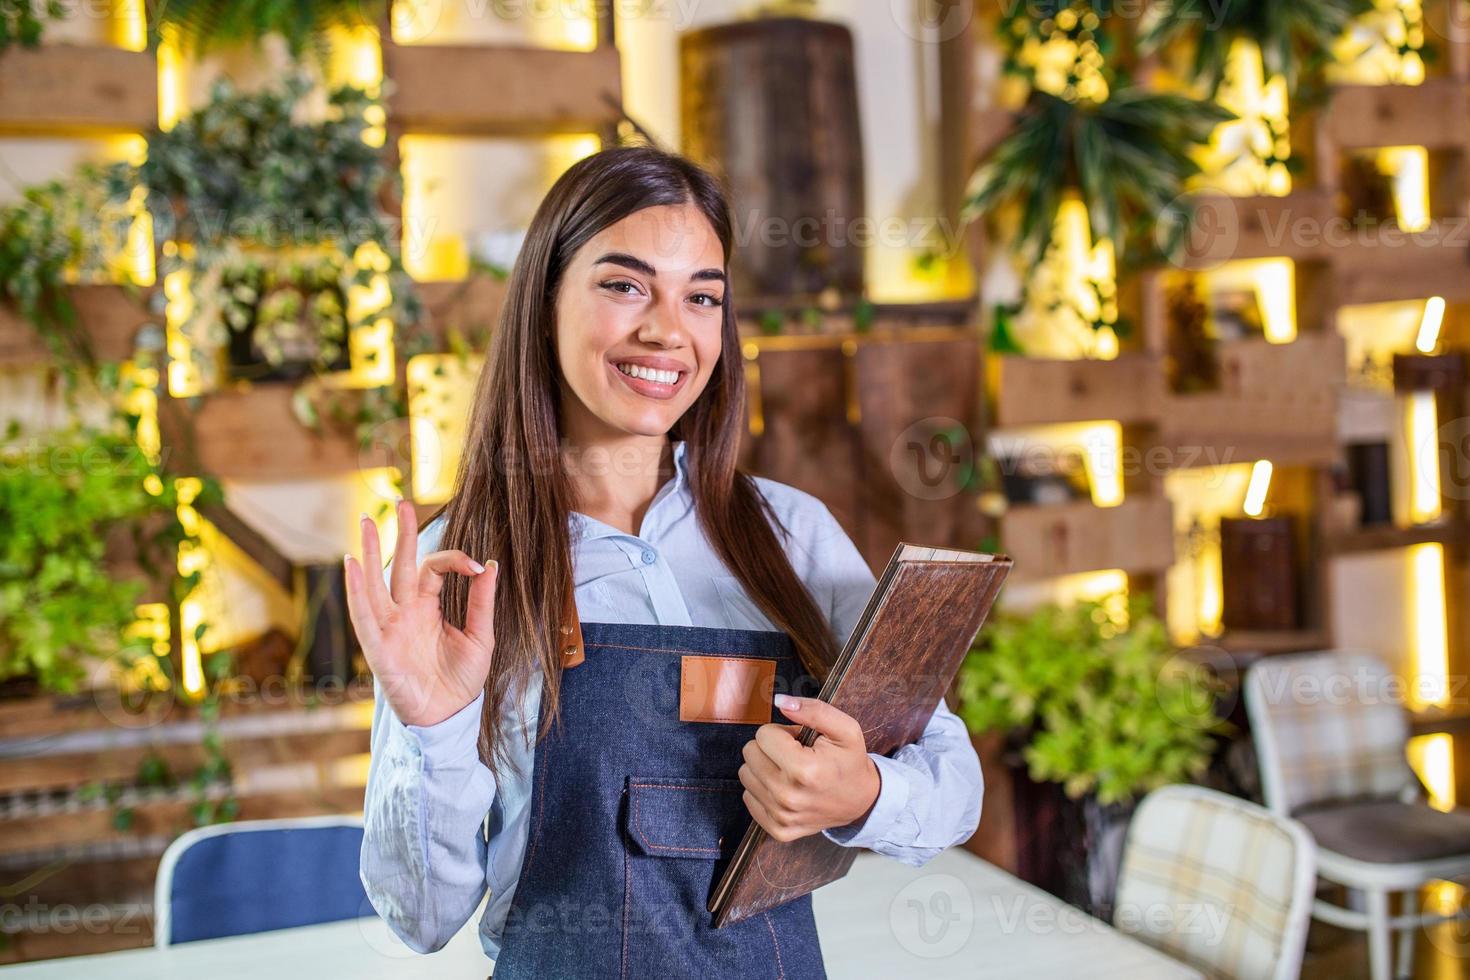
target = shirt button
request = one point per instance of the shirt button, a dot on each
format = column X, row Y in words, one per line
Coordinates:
column 649, row 557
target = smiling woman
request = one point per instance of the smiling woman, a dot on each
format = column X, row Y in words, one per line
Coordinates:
column 588, row 570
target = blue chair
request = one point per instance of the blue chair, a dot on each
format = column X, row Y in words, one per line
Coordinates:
column 254, row 876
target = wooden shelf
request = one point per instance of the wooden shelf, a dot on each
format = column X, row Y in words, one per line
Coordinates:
column 1435, row 721
column 1407, row 266
column 253, row 434
column 1041, row 391
column 501, row 90
column 77, row 87
column 1137, row 536
column 462, row 304
column 1236, row 228
column 1387, row 538
column 1276, row 401
column 108, row 315
column 1435, row 114
column 1270, row 641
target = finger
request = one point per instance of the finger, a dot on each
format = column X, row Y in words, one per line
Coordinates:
column 834, row 723
column 781, row 747
column 479, row 620
column 440, row 564
column 405, row 553
column 760, row 813
column 358, row 610
column 761, row 770
column 375, row 589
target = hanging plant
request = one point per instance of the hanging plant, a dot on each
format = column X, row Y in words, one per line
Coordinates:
column 251, row 175
column 203, row 26
column 1295, row 39
column 60, row 233
column 1128, row 157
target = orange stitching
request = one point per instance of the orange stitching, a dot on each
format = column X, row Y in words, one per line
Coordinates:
column 638, row 822
column 780, row 970
column 627, row 900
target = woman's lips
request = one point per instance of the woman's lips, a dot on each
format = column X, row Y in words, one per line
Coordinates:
column 650, row 389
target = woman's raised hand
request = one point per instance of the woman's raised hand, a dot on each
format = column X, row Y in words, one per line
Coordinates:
column 428, row 669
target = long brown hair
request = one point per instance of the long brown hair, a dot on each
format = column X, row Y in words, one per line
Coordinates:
column 513, row 497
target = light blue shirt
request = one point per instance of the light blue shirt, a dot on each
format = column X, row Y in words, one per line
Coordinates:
column 425, row 862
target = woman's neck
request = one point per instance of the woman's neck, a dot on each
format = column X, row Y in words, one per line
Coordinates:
column 616, row 477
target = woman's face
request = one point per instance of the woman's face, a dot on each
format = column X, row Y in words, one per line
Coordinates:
column 638, row 317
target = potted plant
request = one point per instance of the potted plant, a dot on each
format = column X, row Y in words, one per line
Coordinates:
column 1092, row 698
column 273, row 217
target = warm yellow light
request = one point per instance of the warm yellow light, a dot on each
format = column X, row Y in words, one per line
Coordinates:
column 440, row 392
column 1429, row 327
column 1272, row 281
column 1255, row 494
column 192, row 558
column 1381, row 47
column 129, row 25
column 1194, row 592
column 184, row 376
column 1408, row 168
column 1071, row 292
column 1433, row 758
column 1104, row 445
column 1430, row 632
column 1236, row 160
column 1423, row 446
column 172, row 96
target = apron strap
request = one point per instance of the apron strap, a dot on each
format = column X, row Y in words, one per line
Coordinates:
column 570, row 633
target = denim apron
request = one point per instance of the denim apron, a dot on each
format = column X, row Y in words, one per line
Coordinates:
column 635, row 814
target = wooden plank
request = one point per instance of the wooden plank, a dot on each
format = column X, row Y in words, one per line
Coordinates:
column 467, row 305
column 47, row 772
column 251, row 433
column 1045, row 541
column 167, row 817
column 1298, row 226
column 1388, row 265
column 1386, row 538
column 501, row 90
column 1435, row 114
column 108, row 315
column 254, row 544
column 1040, row 391
column 1276, row 401
column 72, row 86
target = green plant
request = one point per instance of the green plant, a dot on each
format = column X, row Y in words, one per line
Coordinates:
column 1295, row 38
column 63, row 493
column 1128, row 157
column 202, row 26
column 24, row 21
column 62, row 232
column 249, row 173
column 1098, row 695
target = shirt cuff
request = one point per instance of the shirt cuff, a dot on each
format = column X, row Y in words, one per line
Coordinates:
column 893, row 796
column 446, row 742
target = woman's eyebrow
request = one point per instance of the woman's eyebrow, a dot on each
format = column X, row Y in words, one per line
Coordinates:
column 638, row 265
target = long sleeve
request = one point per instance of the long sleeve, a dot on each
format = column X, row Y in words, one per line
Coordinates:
column 423, row 861
column 931, row 790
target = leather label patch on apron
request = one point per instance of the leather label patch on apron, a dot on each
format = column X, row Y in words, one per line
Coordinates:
column 727, row 689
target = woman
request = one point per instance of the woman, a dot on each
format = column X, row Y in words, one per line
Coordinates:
column 600, row 468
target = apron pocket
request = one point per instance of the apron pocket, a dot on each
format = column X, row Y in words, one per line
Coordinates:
column 680, row 833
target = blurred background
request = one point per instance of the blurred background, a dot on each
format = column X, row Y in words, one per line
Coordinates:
column 1166, row 301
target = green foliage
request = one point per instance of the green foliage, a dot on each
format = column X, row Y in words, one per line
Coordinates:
column 202, row 26
column 250, row 174
column 60, row 232
column 1128, row 156
column 1295, row 37
column 61, row 494
column 1106, row 709
column 24, row 21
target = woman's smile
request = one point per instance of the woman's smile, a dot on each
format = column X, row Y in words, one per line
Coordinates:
column 651, row 377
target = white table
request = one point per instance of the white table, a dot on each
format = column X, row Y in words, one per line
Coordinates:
column 956, row 917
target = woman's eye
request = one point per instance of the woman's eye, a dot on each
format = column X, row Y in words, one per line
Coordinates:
column 620, row 286
column 708, row 299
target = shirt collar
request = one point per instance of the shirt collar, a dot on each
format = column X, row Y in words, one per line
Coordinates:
column 587, row 528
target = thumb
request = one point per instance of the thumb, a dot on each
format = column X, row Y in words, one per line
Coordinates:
column 834, row 723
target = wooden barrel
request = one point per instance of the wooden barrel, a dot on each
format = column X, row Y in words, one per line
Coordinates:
column 772, row 105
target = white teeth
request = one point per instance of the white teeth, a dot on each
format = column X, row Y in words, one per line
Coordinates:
column 649, row 374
